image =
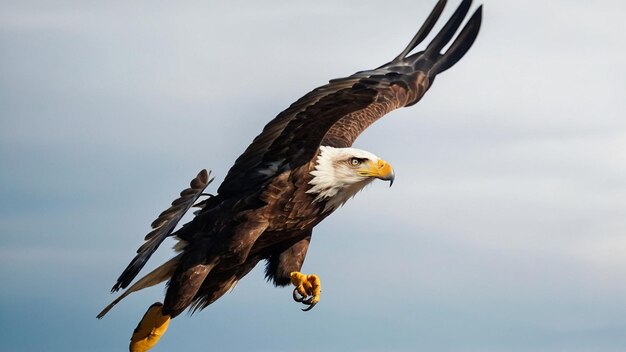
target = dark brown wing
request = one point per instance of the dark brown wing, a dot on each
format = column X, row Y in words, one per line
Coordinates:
column 300, row 125
column 163, row 227
column 413, row 74
column 335, row 114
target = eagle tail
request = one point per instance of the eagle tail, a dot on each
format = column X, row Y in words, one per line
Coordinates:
column 163, row 227
column 158, row 275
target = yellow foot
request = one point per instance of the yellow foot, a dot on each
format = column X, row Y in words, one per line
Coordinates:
column 308, row 289
column 150, row 329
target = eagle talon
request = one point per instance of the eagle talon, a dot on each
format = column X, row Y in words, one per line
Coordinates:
column 310, row 302
column 307, row 291
column 297, row 297
column 309, row 307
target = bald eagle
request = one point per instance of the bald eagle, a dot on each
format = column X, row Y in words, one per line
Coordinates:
column 295, row 173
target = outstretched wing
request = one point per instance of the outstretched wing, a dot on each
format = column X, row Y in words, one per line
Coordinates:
column 335, row 114
column 417, row 71
column 163, row 227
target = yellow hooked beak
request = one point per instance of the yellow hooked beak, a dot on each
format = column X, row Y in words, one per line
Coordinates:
column 381, row 170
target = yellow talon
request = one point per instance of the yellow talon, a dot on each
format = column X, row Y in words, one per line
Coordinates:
column 308, row 289
column 150, row 329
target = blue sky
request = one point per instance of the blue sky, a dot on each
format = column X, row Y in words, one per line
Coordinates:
column 504, row 230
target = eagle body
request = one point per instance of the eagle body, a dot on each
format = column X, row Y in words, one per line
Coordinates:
column 294, row 174
column 235, row 233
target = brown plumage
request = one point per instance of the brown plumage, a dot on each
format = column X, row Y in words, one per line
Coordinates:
column 264, row 209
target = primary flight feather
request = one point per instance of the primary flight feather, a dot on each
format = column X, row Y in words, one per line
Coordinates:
column 294, row 174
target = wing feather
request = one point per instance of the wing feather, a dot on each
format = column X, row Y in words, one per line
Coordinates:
column 163, row 227
column 411, row 75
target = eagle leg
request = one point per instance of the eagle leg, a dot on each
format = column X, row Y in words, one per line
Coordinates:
column 308, row 289
column 150, row 329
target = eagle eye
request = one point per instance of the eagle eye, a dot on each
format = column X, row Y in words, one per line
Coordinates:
column 355, row 161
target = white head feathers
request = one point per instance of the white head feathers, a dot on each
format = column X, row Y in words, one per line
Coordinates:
column 335, row 178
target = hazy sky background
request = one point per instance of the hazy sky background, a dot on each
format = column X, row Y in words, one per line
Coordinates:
column 504, row 231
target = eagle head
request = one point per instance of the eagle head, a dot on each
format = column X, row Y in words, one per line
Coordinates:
column 340, row 173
